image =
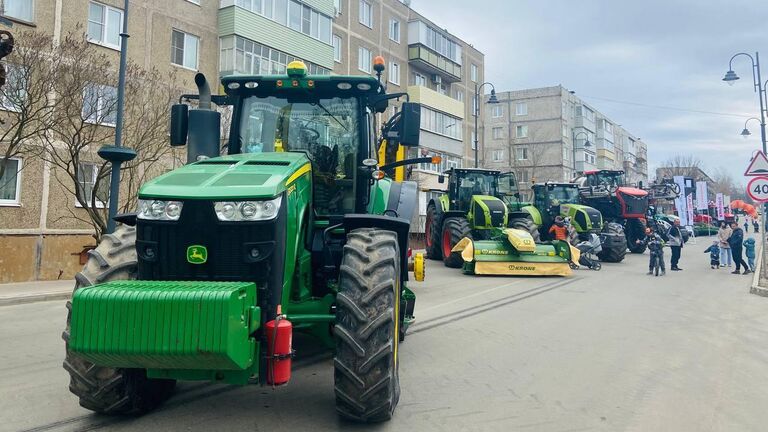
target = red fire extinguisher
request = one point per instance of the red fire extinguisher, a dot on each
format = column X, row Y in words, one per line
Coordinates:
column 279, row 341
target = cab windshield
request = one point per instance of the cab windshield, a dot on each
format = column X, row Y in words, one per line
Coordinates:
column 562, row 195
column 608, row 179
column 476, row 184
column 327, row 129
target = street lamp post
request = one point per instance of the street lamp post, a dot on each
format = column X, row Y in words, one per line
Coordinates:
column 476, row 110
column 745, row 132
column 731, row 77
column 586, row 144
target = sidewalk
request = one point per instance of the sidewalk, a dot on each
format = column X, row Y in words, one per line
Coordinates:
column 28, row 292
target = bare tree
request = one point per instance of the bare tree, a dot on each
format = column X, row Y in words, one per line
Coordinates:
column 27, row 97
column 83, row 120
column 682, row 165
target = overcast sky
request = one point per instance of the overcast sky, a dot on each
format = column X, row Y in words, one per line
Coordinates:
column 670, row 53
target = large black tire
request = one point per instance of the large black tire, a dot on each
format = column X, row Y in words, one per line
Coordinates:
column 526, row 224
column 102, row 389
column 432, row 233
column 366, row 378
column 615, row 248
column 454, row 229
column 635, row 231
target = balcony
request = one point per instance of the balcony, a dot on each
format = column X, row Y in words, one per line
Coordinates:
column 434, row 63
column 642, row 154
column 437, row 101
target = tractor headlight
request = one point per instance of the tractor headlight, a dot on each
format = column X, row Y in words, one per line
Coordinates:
column 159, row 210
column 236, row 211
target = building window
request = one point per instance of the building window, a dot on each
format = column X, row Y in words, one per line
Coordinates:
column 294, row 15
column 419, row 79
column 497, row 132
column 184, row 49
column 523, row 176
column 10, row 182
column 440, row 123
column 460, row 95
column 521, row 109
column 100, row 104
column 521, row 153
column 473, row 72
column 366, row 14
column 337, row 7
column 565, row 154
column 104, row 24
column 88, row 180
column 498, row 155
column 522, row 131
column 394, row 73
column 364, row 59
column 240, row 55
column 497, row 111
column 394, row 30
column 21, row 9
column 565, row 130
column 14, row 93
column 586, row 112
column 447, row 161
column 337, row 48
column 473, row 140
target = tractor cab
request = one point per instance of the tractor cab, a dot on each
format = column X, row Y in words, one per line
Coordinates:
column 607, row 179
column 549, row 197
column 464, row 183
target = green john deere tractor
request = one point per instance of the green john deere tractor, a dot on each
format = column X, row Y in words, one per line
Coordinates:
column 562, row 199
column 295, row 230
column 472, row 208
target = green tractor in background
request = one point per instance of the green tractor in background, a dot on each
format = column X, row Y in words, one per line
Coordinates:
column 562, row 199
column 472, row 207
column 295, row 230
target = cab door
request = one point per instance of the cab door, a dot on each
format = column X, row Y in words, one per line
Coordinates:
column 509, row 192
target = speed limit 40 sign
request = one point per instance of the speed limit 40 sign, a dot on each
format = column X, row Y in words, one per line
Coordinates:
column 757, row 189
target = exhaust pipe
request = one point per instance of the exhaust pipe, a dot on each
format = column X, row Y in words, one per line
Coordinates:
column 204, row 125
column 204, row 90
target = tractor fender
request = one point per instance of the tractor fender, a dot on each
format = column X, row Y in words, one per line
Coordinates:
column 402, row 200
column 583, row 218
column 533, row 213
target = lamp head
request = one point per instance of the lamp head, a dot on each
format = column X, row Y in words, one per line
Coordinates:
column 745, row 133
column 730, row 77
column 492, row 99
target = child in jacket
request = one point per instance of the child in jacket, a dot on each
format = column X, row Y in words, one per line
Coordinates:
column 749, row 250
column 714, row 255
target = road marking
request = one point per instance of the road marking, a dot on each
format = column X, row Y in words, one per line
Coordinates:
column 472, row 295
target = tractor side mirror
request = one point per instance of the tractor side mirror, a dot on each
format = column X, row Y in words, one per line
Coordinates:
column 441, row 179
column 410, row 124
column 179, row 124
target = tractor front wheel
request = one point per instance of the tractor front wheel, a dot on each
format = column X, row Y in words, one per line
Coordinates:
column 614, row 247
column 432, row 233
column 635, row 231
column 454, row 229
column 102, row 389
column 366, row 379
column 526, row 224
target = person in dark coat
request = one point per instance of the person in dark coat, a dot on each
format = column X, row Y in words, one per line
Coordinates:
column 735, row 241
column 675, row 243
column 756, row 226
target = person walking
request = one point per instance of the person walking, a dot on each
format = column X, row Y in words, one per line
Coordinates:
column 675, row 242
column 749, row 251
column 723, row 234
column 714, row 254
column 746, row 225
column 755, row 226
column 735, row 241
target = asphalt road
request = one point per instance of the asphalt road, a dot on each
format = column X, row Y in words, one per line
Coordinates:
column 614, row 350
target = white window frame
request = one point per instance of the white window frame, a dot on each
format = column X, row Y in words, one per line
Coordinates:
column 498, row 155
column 95, row 176
column 460, row 95
column 103, row 42
column 365, row 20
column 336, row 47
column 521, row 131
column 184, row 48
column 14, row 202
column 99, row 113
column 5, row 103
column 364, row 66
column 497, row 132
column 472, row 140
column 521, row 153
column 393, row 75
column 25, row 19
column 473, row 72
column 337, row 7
column 419, row 79
column 497, row 111
column 394, row 30
column 521, row 109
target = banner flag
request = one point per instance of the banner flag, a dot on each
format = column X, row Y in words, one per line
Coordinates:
column 701, row 195
column 719, row 205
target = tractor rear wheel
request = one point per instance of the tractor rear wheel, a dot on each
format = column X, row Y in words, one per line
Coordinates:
column 102, row 389
column 525, row 224
column 366, row 378
column 635, row 231
column 454, row 229
column 432, row 231
column 615, row 244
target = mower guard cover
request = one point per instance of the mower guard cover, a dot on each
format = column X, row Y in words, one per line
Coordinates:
column 515, row 254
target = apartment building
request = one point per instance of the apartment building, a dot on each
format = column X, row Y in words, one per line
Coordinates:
column 40, row 220
column 436, row 68
column 551, row 134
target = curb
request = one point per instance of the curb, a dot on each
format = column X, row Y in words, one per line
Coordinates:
column 756, row 289
column 41, row 297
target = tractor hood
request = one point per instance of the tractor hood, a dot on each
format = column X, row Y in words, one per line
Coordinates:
column 242, row 176
column 632, row 191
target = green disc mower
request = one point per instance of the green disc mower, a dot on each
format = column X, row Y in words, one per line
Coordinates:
column 295, row 230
